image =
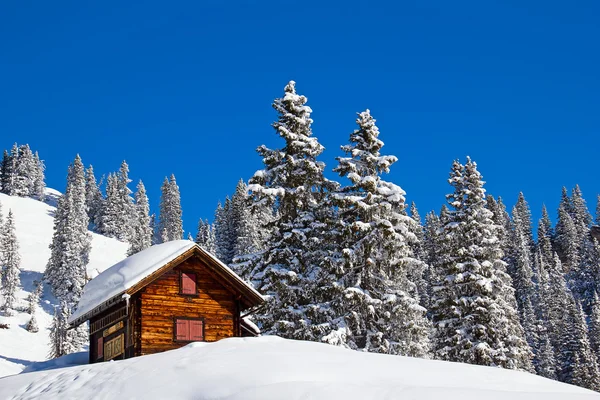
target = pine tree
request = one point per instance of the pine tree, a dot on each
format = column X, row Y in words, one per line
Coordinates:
column 205, row 237
column 566, row 237
column 70, row 248
column 11, row 265
column 473, row 309
column 594, row 327
column 94, row 201
column 377, row 269
column 225, row 236
column 110, row 215
column 418, row 272
column 290, row 268
column 170, row 223
column 141, row 234
column 39, row 179
column 60, row 343
column 25, row 172
column 6, row 173
column 34, row 298
column 127, row 214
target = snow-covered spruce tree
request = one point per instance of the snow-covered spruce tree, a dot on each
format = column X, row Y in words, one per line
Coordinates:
column 25, row 172
column 594, row 327
column 6, row 173
column 39, row 178
column 253, row 233
column 418, row 273
column 474, row 307
column 60, row 341
column 290, row 268
column 33, row 301
column 502, row 219
column 11, row 265
column 128, row 213
column 141, row 233
column 520, row 269
column 70, row 248
column 225, row 236
column 565, row 239
column 377, row 266
column 110, row 214
column 205, row 237
column 94, row 202
column 579, row 365
column 170, row 225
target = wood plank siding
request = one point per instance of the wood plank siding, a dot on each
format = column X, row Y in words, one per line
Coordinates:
column 162, row 302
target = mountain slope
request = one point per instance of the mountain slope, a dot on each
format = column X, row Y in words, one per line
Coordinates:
column 34, row 225
column 271, row 368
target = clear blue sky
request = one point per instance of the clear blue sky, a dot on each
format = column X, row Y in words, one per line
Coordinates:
column 186, row 88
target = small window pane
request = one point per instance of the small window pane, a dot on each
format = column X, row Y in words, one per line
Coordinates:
column 188, row 283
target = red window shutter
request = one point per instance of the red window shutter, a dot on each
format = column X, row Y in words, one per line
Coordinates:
column 100, row 349
column 183, row 329
column 188, row 283
column 196, row 330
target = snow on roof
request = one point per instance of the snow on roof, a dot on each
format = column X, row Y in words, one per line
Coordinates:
column 126, row 273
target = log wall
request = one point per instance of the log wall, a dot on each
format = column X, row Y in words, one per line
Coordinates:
column 161, row 302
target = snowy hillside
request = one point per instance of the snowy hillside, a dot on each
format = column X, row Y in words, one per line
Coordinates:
column 270, row 368
column 34, row 224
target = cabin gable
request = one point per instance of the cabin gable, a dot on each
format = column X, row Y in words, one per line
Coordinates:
column 175, row 310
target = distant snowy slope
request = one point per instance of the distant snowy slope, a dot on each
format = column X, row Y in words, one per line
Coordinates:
column 270, row 368
column 34, row 224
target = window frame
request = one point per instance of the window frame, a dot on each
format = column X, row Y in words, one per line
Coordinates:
column 181, row 273
column 175, row 319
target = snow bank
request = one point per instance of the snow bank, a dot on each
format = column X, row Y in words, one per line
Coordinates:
column 270, row 368
column 126, row 273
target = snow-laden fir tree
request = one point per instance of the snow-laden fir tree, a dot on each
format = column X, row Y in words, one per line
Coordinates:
column 579, row 364
column 141, row 232
column 6, row 173
column 10, row 262
column 474, row 307
column 225, row 235
column 418, row 272
column 70, row 249
column 566, row 238
column 205, row 237
column 25, row 172
column 39, row 178
column 170, row 225
column 60, row 341
column 594, row 325
column 33, row 301
column 111, row 214
column 128, row 211
column 377, row 268
column 289, row 269
column 94, row 201
column 521, row 268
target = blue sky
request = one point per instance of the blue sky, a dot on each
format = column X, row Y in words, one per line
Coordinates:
column 186, row 88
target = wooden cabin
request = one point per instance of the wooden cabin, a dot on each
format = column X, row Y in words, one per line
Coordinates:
column 162, row 298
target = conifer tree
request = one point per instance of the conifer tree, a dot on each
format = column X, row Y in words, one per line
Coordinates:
column 141, row 234
column 60, row 341
column 225, row 231
column 6, row 173
column 39, row 179
column 418, row 272
column 205, row 237
column 127, row 214
column 109, row 218
column 70, row 249
column 594, row 327
column 11, row 265
column 293, row 179
column 94, row 201
column 34, row 298
column 473, row 309
column 170, row 223
column 25, row 171
column 566, row 238
column 377, row 268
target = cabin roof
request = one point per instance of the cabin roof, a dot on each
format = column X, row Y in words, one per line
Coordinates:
column 137, row 271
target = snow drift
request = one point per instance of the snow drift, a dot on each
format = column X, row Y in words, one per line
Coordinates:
column 271, row 368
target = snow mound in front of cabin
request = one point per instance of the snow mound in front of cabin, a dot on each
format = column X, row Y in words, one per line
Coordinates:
column 271, row 368
column 126, row 273
column 34, row 222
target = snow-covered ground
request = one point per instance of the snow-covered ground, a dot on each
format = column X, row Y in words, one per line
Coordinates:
column 34, row 224
column 270, row 368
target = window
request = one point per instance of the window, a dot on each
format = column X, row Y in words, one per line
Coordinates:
column 100, row 348
column 188, row 283
column 189, row 330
